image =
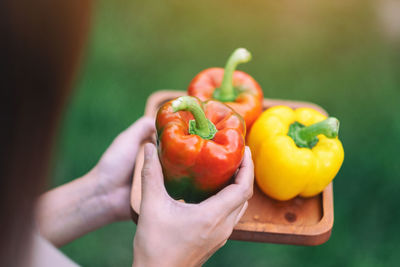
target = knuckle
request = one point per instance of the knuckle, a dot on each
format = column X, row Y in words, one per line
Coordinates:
column 146, row 123
column 203, row 238
column 210, row 220
column 207, row 222
column 247, row 192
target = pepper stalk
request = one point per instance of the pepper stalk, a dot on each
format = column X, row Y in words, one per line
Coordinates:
column 306, row 136
column 200, row 126
column 227, row 93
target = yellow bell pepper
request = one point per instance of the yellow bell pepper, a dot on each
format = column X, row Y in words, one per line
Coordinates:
column 295, row 152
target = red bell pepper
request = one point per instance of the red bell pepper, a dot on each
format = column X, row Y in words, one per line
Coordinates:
column 200, row 146
column 236, row 88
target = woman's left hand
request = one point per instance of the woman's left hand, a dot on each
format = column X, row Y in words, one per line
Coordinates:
column 98, row 198
column 113, row 173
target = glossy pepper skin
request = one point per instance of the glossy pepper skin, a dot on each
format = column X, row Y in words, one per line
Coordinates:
column 199, row 156
column 237, row 89
column 292, row 159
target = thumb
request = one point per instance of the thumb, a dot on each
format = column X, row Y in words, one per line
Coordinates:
column 152, row 176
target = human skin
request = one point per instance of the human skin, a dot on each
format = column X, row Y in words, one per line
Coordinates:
column 98, row 198
column 169, row 232
column 172, row 233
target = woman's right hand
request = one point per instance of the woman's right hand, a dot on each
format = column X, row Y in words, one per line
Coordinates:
column 172, row 233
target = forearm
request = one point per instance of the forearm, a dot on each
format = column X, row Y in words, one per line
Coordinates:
column 72, row 210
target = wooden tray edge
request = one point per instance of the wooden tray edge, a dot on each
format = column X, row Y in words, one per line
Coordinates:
column 278, row 238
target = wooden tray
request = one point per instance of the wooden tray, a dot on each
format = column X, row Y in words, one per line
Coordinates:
column 300, row 221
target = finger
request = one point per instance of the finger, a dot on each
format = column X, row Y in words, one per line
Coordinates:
column 143, row 129
column 152, row 176
column 233, row 218
column 245, row 176
column 239, row 215
column 140, row 131
column 127, row 143
column 234, row 195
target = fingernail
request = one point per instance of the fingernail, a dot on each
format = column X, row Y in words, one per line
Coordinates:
column 248, row 150
column 148, row 151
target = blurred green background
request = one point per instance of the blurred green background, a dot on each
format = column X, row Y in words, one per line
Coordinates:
column 343, row 55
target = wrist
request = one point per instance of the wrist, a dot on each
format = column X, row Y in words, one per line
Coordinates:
column 100, row 196
column 148, row 254
column 72, row 210
column 113, row 198
column 143, row 261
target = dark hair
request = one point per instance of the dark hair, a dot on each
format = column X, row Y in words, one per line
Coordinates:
column 40, row 48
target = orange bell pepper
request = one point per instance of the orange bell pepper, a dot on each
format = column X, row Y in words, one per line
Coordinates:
column 237, row 89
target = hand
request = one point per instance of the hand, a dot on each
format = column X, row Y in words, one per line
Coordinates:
column 115, row 169
column 98, row 198
column 172, row 233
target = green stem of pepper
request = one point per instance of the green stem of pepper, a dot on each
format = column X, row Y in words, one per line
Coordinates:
column 227, row 93
column 306, row 136
column 200, row 126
